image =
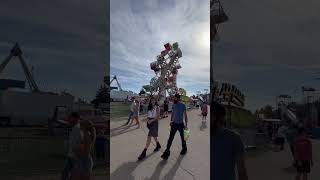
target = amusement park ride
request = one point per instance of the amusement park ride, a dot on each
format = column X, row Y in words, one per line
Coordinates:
column 166, row 69
column 217, row 17
column 17, row 52
column 224, row 92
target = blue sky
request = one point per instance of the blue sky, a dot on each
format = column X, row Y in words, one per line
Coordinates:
column 139, row 29
column 65, row 41
column 269, row 47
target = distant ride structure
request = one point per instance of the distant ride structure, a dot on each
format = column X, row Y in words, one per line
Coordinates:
column 166, row 68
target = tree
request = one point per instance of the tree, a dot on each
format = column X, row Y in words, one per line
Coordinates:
column 268, row 111
column 142, row 91
column 102, row 96
column 146, row 89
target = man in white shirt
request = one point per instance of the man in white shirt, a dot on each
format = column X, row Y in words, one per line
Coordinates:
column 74, row 142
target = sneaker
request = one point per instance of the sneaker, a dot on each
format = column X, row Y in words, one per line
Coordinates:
column 165, row 155
column 158, row 147
column 183, row 151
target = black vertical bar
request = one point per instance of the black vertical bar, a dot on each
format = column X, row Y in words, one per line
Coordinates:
column 108, row 85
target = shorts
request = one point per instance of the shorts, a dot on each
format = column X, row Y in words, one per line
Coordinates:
column 153, row 129
column 204, row 114
column 303, row 167
column 135, row 114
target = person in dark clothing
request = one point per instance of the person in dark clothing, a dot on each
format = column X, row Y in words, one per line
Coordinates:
column 228, row 151
column 177, row 124
column 303, row 155
column 165, row 108
column 269, row 129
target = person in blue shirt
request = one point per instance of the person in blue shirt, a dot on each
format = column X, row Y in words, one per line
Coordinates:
column 227, row 148
column 178, row 114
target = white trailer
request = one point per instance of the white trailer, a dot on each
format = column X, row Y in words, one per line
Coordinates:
column 121, row 95
column 30, row 108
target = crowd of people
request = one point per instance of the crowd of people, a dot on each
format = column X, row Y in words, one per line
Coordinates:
column 300, row 146
column 229, row 151
column 79, row 161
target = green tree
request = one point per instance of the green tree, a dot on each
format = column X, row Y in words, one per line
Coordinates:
column 268, row 111
column 102, row 96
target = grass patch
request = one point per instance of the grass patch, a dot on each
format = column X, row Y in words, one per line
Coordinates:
column 241, row 118
column 119, row 109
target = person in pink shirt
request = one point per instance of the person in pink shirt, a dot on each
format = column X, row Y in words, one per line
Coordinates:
column 303, row 155
column 204, row 111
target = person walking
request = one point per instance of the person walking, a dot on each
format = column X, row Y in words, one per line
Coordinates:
column 270, row 131
column 74, row 144
column 281, row 135
column 133, row 104
column 292, row 134
column 82, row 169
column 228, row 148
column 135, row 115
column 153, row 126
column 204, row 112
column 177, row 124
column 303, row 155
column 165, row 108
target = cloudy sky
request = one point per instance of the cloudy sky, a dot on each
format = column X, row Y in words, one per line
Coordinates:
column 139, row 29
column 269, row 47
column 65, row 42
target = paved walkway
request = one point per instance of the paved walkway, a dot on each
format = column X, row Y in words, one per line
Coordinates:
column 276, row 165
column 128, row 143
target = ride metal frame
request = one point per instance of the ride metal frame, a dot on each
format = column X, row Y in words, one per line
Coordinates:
column 17, row 52
column 166, row 69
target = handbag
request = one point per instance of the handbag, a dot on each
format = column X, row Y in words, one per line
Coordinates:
column 149, row 125
column 186, row 134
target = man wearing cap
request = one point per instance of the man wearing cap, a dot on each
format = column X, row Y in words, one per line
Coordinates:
column 178, row 114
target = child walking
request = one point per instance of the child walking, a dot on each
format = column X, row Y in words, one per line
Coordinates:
column 303, row 155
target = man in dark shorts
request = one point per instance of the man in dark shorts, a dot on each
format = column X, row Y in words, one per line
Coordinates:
column 303, row 155
column 178, row 112
column 227, row 149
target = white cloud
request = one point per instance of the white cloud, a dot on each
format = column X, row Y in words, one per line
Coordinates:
column 138, row 34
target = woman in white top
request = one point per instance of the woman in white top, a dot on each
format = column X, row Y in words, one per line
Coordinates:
column 153, row 125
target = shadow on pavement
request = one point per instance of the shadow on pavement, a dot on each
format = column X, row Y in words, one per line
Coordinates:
column 173, row 170
column 203, row 126
column 125, row 170
column 119, row 127
column 122, row 131
column 290, row 169
column 157, row 172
